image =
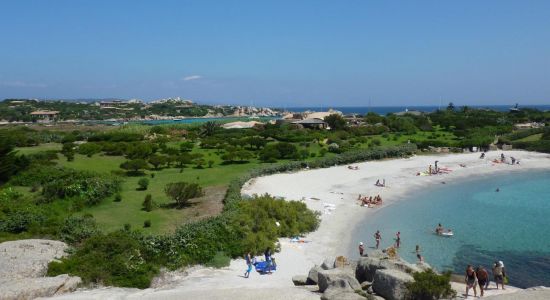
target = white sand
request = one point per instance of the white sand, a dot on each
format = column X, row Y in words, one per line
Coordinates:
column 336, row 186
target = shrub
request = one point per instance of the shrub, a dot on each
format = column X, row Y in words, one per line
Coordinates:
column 75, row 229
column 181, row 192
column 112, row 259
column 118, row 198
column 219, row 260
column 148, row 203
column 147, row 223
column 429, row 285
column 143, row 183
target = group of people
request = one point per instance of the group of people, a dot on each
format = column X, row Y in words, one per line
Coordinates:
column 353, row 167
column 251, row 261
column 439, row 230
column 513, row 160
column 377, row 239
column 370, row 201
column 380, row 184
column 480, row 277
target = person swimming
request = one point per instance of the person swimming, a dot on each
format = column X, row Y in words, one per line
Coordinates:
column 439, row 229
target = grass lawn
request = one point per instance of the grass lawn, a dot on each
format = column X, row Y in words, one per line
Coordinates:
column 531, row 138
column 40, row 148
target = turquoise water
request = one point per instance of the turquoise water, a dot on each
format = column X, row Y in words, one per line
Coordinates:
column 512, row 225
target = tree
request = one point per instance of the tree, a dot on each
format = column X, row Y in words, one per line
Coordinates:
column 187, row 146
column 373, row 118
column 134, row 165
column 139, row 150
column 256, row 142
column 89, row 149
column 8, row 159
column 287, row 150
column 157, row 160
column 451, row 107
column 148, row 203
column 181, row 192
column 336, row 122
column 143, row 183
column 208, row 128
column 68, row 151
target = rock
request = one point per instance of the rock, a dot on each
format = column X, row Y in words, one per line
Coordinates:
column 334, row 294
column 28, row 258
column 30, row 288
column 312, row 276
column 367, row 267
column 328, row 264
column 374, row 297
column 341, row 262
column 337, row 279
column 23, row 265
column 390, row 284
column 300, row 280
column 365, row 285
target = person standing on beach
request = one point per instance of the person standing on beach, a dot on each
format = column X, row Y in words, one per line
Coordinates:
column 471, row 280
column 435, row 165
column 361, row 248
column 498, row 274
column 482, row 279
column 248, row 259
column 430, row 169
column 377, row 237
column 397, row 239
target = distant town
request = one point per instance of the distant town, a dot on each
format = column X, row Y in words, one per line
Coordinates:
column 47, row 111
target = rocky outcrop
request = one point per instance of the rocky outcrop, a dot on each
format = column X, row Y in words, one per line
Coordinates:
column 328, row 263
column 534, row 293
column 30, row 288
column 339, row 279
column 341, row 295
column 299, row 280
column 23, row 265
column 391, row 283
column 367, row 267
column 313, row 275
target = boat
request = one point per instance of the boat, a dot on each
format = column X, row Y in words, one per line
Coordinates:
column 447, row 234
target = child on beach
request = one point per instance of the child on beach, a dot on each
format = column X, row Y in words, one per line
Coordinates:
column 248, row 259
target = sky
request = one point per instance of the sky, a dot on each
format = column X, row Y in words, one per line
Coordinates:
column 278, row 53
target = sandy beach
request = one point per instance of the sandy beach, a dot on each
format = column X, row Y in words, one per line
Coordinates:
column 333, row 192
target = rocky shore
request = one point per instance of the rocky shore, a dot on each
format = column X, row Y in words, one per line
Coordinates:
column 23, row 268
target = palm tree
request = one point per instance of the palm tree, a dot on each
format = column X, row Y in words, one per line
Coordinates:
column 208, row 128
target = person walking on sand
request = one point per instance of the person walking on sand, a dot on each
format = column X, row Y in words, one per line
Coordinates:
column 377, row 237
column 482, row 279
column 499, row 274
column 471, row 280
column 397, row 239
column 361, row 248
column 248, row 259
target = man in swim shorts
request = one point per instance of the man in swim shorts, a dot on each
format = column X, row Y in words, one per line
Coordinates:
column 482, row 278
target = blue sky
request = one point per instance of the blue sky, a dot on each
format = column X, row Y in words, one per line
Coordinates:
column 279, row 53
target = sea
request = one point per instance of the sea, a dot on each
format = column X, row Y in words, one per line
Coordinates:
column 384, row 110
column 511, row 225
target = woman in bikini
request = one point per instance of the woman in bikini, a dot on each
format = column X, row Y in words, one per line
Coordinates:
column 471, row 280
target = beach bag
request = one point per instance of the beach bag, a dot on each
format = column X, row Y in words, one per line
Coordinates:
column 506, row 280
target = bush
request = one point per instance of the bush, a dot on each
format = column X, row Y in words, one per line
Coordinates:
column 220, row 260
column 118, row 198
column 112, row 259
column 143, row 183
column 181, row 192
column 429, row 285
column 147, row 223
column 148, row 203
column 75, row 229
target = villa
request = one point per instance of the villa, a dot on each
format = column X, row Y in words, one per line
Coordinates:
column 45, row 116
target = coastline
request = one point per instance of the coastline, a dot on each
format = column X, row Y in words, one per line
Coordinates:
column 338, row 187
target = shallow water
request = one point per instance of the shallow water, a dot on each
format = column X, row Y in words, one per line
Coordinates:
column 512, row 225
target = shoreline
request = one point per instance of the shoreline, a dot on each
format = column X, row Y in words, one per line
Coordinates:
column 336, row 187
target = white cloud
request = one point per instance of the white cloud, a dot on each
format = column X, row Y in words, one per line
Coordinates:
column 192, row 77
column 22, row 84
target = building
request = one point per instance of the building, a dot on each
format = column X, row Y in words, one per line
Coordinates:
column 312, row 123
column 45, row 116
column 114, row 104
column 409, row 112
column 530, row 125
